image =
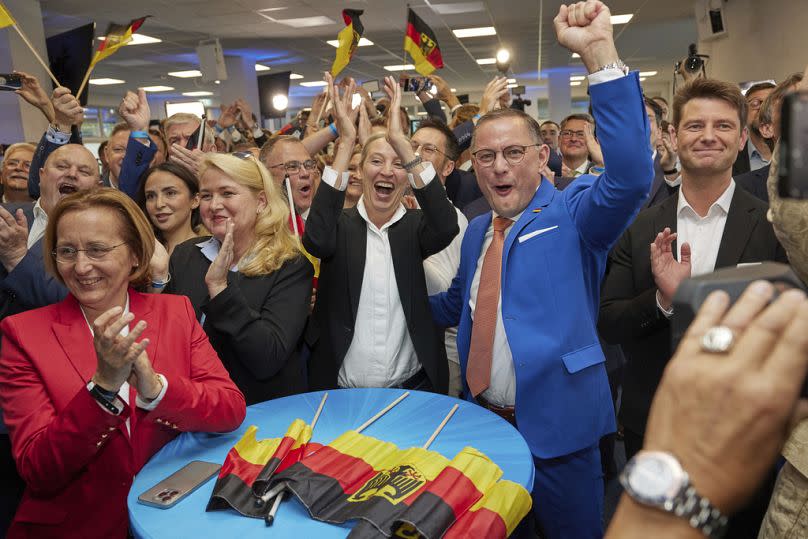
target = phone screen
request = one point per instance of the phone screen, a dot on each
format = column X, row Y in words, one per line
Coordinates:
column 10, row 82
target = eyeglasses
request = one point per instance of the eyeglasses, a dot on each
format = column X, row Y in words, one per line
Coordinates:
column 427, row 150
column 754, row 103
column 570, row 134
column 14, row 163
column 512, row 154
column 293, row 167
column 67, row 255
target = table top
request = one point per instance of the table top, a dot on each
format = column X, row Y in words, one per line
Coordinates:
column 408, row 424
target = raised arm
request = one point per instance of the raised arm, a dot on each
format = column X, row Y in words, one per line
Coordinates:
column 140, row 149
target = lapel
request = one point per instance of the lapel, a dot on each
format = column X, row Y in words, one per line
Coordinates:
column 75, row 338
column 357, row 240
column 665, row 216
column 741, row 221
column 656, row 185
column 543, row 197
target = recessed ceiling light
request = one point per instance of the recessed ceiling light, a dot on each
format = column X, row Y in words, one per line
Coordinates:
column 138, row 39
column 511, row 81
column 457, row 8
column 475, row 32
column 197, row 94
column 486, row 61
column 512, row 85
column 306, row 22
column 260, row 67
column 621, row 19
column 403, row 67
column 314, row 83
column 363, row 42
column 576, row 55
column 578, row 77
column 157, row 88
column 642, row 79
column 186, row 74
column 576, row 83
column 294, row 76
column 454, row 90
column 647, row 73
column 105, row 82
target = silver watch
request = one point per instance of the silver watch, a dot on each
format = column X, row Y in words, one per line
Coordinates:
column 656, row 479
column 614, row 65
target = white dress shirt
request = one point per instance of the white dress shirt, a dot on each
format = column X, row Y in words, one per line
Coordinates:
column 38, row 226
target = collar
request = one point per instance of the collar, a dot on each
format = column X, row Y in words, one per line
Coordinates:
column 754, row 152
column 124, row 330
column 400, row 212
column 583, row 169
column 210, row 249
column 722, row 203
column 39, row 213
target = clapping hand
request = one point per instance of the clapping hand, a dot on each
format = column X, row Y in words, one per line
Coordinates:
column 190, row 159
column 216, row 277
column 13, row 238
column 668, row 273
column 114, row 352
column 593, row 146
column 493, row 92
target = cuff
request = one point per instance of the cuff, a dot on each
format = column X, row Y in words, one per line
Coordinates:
column 427, row 175
column 152, row 404
column 330, row 177
column 235, row 135
column 605, row 75
column 57, row 137
column 667, row 313
column 257, row 132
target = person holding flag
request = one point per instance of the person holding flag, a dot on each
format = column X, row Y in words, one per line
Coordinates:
column 117, row 36
column 348, row 39
column 422, row 44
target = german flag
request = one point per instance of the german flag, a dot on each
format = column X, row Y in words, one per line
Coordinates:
column 5, row 17
column 422, row 44
column 391, row 490
column 250, row 465
column 117, row 36
column 348, row 39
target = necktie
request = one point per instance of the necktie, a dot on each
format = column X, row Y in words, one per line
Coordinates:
column 478, row 370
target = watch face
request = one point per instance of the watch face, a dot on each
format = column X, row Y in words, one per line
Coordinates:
column 655, row 478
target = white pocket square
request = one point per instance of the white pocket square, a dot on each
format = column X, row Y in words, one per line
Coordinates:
column 526, row 237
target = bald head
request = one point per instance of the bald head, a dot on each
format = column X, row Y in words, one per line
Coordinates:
column 69, row 169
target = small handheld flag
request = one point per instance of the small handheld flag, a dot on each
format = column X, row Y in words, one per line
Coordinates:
column 348, row 39
column 422, row 44
column 7, row 20
column 117, row 36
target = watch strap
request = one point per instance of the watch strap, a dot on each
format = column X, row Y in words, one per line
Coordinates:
column 414, row 163
column 614, row 65
column 102, row 397
column 699, row 513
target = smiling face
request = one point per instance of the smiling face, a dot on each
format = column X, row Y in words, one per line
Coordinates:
column 179, row 133
column 708, row 137
column 222, row 198
column 169, row 202
column 115, row 151
column 301, row 182
column 573, row 143
column 549, row 134
column 69, row 169
column 14, row 174
column 431, row 145
column 383, row 180
column 354, row 190
column 101, row 284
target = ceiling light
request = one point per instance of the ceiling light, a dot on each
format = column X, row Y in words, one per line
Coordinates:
column 186, row 74
column 314, row 83
column 475, row 32
column 454, row 90
column 197, row 94
column 576, row 83
column 457, row 8
column 576, row 55
column 421, row 113
column 642, row 79
column 403, row 67
column 511, row 81
column 512, row 85
column 363, row 42
column 305, row 22
column 295, row 76
column 578, row 77
column 280, row 102
column 138, row 39
column 503, row 55
column 621, row 19
column 647, row 73
column 259, row 67
column 486, row 61
column 157, row 88
column 105, row 82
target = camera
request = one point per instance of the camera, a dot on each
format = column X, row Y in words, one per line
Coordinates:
column 518, row 102
column 694, row 61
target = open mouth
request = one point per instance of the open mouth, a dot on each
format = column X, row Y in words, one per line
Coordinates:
column 384, row 189
column 503, row 190
column 67, row 189
column 305, row 189
column 89, row 282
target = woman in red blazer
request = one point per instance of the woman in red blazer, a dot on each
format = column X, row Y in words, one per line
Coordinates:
column 92, row 387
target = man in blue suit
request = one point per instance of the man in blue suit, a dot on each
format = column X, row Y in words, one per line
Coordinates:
column 530, row 351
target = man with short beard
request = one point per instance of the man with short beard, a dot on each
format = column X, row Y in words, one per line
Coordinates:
column 14, row 172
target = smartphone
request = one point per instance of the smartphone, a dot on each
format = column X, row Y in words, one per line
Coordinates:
column 199, row 134
column 168, row 492
column 10, row 82
column 518, row 90
column 414, row 84
column 792, row 181
column 371, row 85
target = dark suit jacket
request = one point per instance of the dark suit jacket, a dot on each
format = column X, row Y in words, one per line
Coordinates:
column 76, row 458
column 476, row 208
column 741, row 164
column 255, row 324
column 628, row 312
column 554, row 162
column 339, row 239
column 461, row 187
column 660, row 190
column 755, row 182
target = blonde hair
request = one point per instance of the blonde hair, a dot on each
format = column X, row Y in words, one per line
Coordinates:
column 18, row 146
column 371, row 139
column 274, row 243
column 135, row 228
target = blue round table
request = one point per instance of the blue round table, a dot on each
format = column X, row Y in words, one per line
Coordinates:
column 409, row 424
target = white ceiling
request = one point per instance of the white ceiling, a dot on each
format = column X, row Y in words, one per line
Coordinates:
column 656, row 37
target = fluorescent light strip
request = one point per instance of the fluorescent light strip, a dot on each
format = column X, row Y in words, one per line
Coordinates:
column 642, row 79
column 511, row 81
column 138, row 39
column 576, row 55
column 295, row 76
column 157, row 88
column 363, row 42
column 647, row 73
column 475, row 32
column 314, row 83
column 105, row 82
column 486, row 61
column 576, row 83
column 260, row 67
column 403, row 67
column 578, row 77
column 197, row 94
column 621, row 19
column 512, row 85
column 191, row 73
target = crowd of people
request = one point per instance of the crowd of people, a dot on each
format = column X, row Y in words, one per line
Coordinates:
column 529, row 267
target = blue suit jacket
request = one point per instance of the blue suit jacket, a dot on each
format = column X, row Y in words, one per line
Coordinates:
column 553, row 262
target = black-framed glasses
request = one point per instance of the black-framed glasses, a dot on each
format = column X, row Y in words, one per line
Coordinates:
column 427, row 150
column 293, row 167
column 566, row 133
column 67, row 255
column 513, row 155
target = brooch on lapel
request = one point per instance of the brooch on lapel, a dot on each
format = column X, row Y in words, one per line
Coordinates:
column 537, row 210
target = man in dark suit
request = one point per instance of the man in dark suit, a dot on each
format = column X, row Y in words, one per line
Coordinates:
column 754, row 182
column 461, row 187
column 666, row 175
column 755, row 153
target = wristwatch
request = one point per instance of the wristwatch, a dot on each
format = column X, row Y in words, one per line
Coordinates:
column 656, row 479
column 412, row 164
column 614, row 65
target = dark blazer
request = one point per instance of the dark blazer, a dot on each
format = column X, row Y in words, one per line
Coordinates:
column 339, row 239
column 741, row 164
column 754, row 181
column 628, row 312
column 554, row 162
column 255, row 324
column 660, row 190
column 461, row 187
column 476, row 208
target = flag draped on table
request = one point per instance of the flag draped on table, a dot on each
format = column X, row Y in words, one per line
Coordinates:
column 117, row 36
column 392, row 490
column 348, row 39
column 250, row 465
column 422, row 44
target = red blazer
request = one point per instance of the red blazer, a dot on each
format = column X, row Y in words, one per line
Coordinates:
column 76, row 458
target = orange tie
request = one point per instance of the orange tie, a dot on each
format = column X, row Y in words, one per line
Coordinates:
column 478, row 370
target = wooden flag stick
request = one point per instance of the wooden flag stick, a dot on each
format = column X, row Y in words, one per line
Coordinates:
column 86, row 79
column 38, row 57
column 440, row 427
column 383, row 411
column 319, row 409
